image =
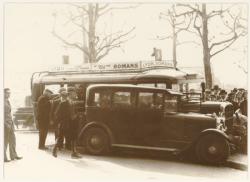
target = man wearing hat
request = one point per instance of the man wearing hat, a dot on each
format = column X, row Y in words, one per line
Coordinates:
column 9, row 135
column 54, row 105
column 73, row 125
column 222, row 95
column 207, row 95
column 43, row 117
column 62, row 116
column 66, row 116
column 243, row 104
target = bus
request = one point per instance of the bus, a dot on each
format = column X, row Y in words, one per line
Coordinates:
column 160, row 74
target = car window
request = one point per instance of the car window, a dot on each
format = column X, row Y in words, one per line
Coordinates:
column 171, row 103
column 121, row 99
column 145, row 100
column 102, row 99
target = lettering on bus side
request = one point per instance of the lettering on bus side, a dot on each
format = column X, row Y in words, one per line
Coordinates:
column 122, row 66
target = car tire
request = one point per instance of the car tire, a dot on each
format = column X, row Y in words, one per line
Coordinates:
column 212, row 149
column 96, row 141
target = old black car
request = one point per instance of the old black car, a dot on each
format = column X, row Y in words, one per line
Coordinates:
column 149, row 118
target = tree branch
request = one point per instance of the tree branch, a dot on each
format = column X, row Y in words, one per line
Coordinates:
column 190, row 7
column 218, row 12
column 82, row 7
column 197, row 27
column 106, row 10
column 232, row 41
column 223, row 42
column 188, row 42
column 113, row 41
column 70, row 44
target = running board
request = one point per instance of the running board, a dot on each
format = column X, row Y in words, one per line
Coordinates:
column 146, row 147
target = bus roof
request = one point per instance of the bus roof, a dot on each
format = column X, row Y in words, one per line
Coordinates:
column 172, row 92
column 165, row 74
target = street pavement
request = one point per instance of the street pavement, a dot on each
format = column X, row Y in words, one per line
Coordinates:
column 37, row 164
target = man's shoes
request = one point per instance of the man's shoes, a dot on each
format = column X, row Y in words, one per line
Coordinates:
column 43, row 148
column 75, row 155
column 18, row 158
column 54, row 152
column 6, row 160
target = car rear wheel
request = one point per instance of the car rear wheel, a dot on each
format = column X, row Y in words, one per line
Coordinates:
column 96, row 141
column 212, row 149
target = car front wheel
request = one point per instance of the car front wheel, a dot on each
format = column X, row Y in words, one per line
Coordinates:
column 96, row 141
column 212, row 149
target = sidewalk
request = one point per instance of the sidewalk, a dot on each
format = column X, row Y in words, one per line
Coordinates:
column 238, row 161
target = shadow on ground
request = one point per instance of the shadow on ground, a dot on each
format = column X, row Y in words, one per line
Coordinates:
column 149, row 161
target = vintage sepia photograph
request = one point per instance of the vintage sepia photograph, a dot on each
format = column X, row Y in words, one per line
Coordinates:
column 124, row 91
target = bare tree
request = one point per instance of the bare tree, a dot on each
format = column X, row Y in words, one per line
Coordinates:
column 94, row 46
column 178, row 24
column 233, row 25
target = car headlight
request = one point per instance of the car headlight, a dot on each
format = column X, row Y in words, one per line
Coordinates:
column 220, row 123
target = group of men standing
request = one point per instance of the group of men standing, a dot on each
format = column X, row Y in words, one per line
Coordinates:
column 62, row 111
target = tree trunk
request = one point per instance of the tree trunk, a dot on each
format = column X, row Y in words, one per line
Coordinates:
column 92, row 51
column 174, row 47
column 206, row 51
column 84, row 43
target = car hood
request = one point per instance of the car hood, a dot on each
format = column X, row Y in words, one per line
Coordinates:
column 213, row 106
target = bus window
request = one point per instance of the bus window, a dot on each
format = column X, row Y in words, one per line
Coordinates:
column 176, row 87
column 80, row 91
column 161, row 85
column 54, row 88
column 146, row 84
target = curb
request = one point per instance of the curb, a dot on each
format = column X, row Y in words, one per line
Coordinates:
column 238, row 161
column 236, row 165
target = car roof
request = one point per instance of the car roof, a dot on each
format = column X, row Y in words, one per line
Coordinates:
column 172, row 92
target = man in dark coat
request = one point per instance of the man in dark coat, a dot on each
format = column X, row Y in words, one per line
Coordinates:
column 74, row 121
column 64, row 115
column 55, row 103
column 9, row 135
column 243, row 104
column 43, row 117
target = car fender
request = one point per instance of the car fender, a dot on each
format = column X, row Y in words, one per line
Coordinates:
column 215, row 132
column 99, row 125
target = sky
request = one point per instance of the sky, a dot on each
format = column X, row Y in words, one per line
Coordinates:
column 29, row 45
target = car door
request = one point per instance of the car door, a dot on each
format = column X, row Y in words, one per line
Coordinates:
column 149, row 114
column 172, row 126
column 122, row 115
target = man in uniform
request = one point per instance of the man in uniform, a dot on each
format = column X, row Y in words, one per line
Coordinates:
column 43, row 117
column 9, row 135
